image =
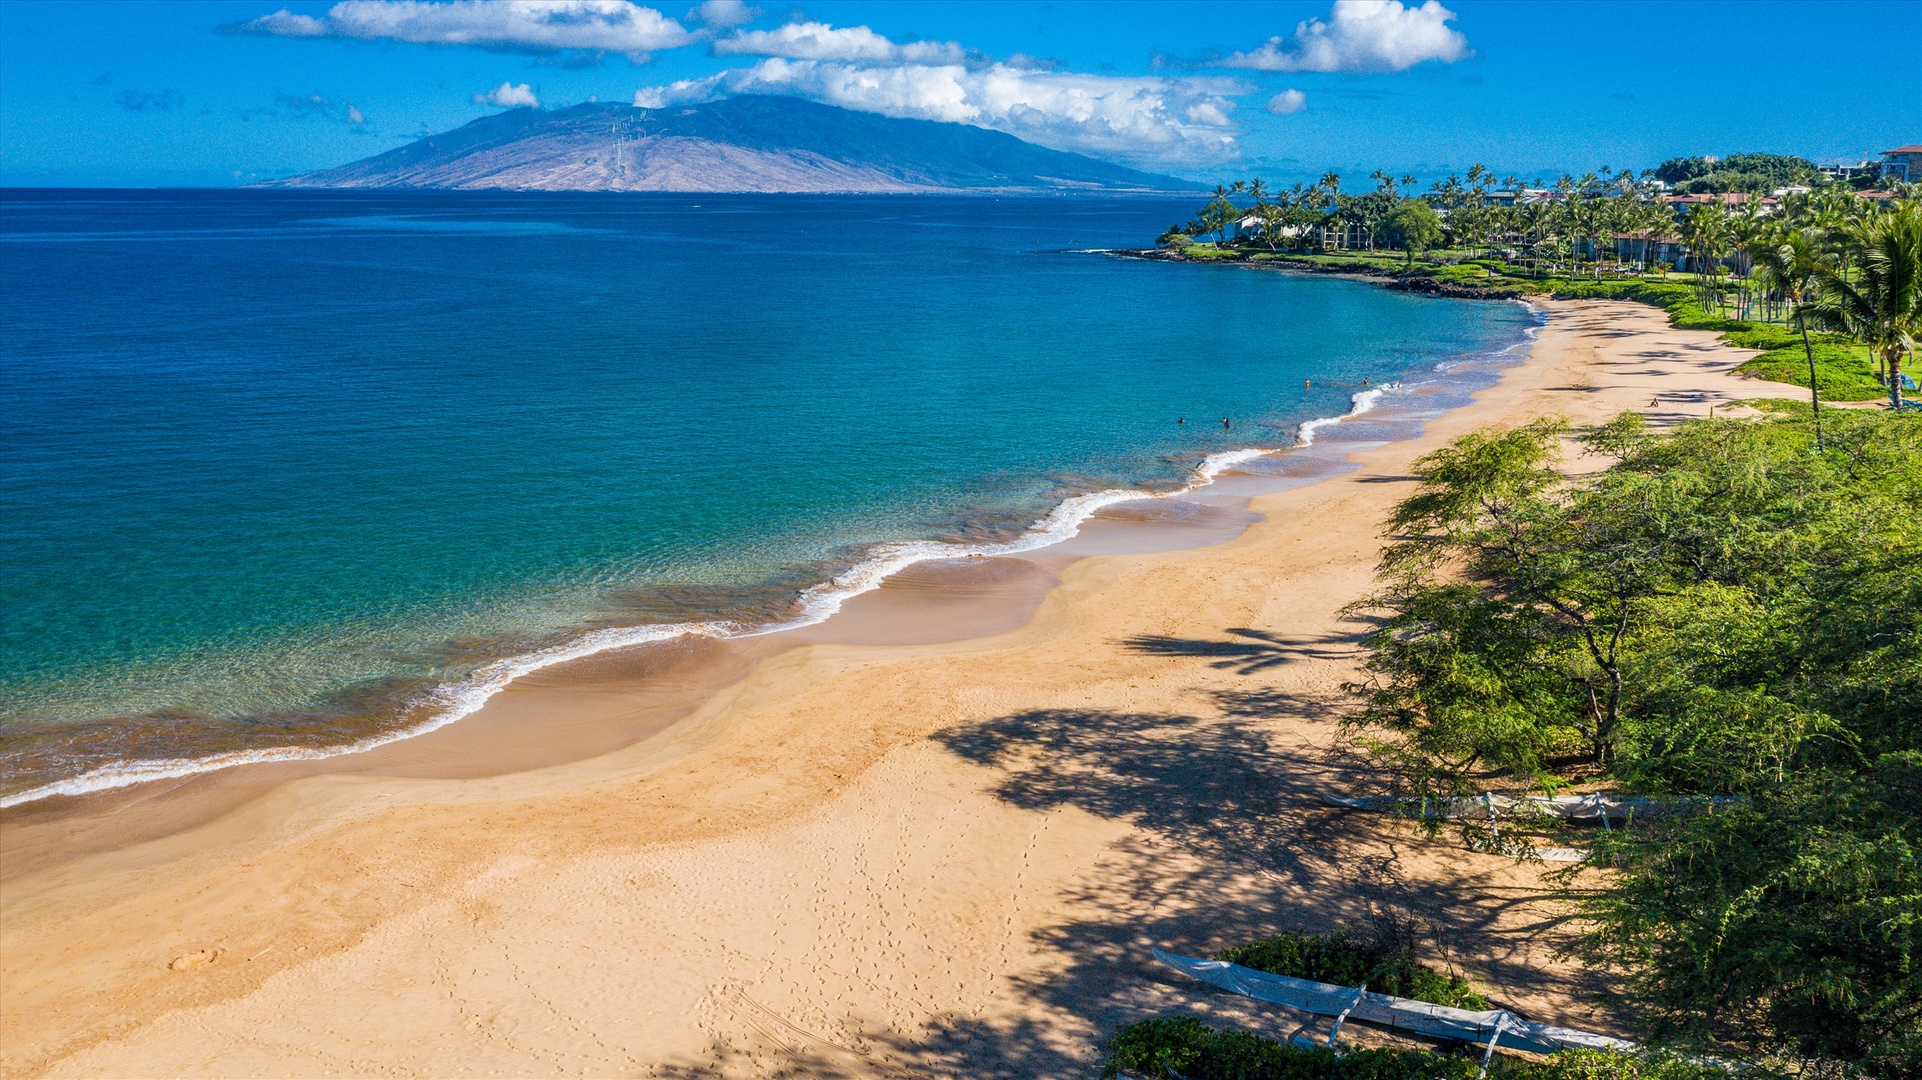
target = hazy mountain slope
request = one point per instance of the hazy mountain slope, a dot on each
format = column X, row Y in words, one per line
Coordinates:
column 736, row 144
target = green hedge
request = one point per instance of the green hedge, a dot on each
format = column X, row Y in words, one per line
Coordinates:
column 1168, row 1048
column 1346, row 961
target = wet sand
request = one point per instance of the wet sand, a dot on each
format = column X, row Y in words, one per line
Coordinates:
column 933, row 836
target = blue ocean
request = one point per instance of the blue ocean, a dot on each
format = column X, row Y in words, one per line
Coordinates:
column 295, row 470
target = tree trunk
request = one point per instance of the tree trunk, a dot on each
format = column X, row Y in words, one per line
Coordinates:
column 1815, row 401
column 1895, row 378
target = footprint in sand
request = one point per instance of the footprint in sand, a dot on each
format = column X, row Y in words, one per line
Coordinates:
column 193, row 960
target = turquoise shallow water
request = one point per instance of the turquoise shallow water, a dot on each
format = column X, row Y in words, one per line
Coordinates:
column 282, row 469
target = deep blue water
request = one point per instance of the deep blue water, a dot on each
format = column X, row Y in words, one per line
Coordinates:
column 275, row 465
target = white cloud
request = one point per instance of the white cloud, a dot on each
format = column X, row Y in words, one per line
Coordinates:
column 819, row 41
column 1362, row 35
column 509, row 96
column 284, row 23
column 354, row 116
column 1149, row 120
column 1287, row 103
column 722, row 14
column 536, row 26
column 1212, row 112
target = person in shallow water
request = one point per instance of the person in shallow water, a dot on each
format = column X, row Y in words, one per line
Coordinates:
column 1224, row 423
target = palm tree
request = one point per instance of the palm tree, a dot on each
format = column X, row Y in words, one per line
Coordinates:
column 1746, row 231
column 1793, row 266
column 1702, row 231
column 1879, row 301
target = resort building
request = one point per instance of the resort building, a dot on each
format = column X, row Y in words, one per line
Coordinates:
column 1518, row 197
column 1683, row 204
column 1903, row 163
column 1841, row 170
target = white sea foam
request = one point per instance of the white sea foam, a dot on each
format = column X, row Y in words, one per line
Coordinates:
column 1361, row 402
column 818, row 603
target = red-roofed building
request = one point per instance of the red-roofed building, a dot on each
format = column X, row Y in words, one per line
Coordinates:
column 1682, row 204
column 1903, row 163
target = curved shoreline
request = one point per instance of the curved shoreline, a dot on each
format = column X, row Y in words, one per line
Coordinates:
column 450, row 703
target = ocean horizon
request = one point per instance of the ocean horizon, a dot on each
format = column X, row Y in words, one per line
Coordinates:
column 296, row 472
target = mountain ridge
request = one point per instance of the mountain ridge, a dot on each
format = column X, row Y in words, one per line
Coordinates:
column 747, row 143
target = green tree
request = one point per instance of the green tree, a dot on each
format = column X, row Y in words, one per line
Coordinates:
column 1174, row 239
column 1414, row 226
column 1792, row 266
column 1879, row 299
column 1717, row 613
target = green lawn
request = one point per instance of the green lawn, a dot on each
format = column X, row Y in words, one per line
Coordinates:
column 1843, row 372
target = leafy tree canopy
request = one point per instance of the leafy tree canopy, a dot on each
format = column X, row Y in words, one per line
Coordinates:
column 1722, row 612
column 1738, row 172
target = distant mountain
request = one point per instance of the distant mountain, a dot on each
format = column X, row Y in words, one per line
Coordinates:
column 750, row 143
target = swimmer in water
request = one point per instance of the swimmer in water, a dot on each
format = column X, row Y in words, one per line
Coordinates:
column 1183, row 420
column 1224, row 423
column 1305, row 384
column 1364, row 382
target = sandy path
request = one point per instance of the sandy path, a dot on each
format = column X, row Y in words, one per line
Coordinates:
column 899, row 860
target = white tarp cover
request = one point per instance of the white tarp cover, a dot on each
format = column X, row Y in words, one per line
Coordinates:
column 1404, row 1014
column 1592, row 807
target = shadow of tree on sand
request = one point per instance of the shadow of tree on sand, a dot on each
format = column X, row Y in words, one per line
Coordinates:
column 1229, row 843
column 1254, row 651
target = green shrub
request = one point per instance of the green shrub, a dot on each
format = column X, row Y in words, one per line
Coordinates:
column 1606, row 1065
column 1386, row 968
column 1766, row 337
column 1168, row 1047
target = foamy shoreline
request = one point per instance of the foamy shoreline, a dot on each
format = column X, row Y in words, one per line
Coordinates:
column 451, row 703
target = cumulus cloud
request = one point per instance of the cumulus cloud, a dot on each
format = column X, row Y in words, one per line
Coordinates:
column 1287, row 103
column 722, row 14
column 509, row 96
column 1149, row 120
column 1362, row 35
column 819, row 41
column 528, row 26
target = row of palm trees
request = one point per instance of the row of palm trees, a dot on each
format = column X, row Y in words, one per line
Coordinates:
column 1860, row 275
column 1826, row 259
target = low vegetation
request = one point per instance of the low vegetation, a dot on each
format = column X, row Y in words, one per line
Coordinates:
column 1184, row 1048
column 1383, row 966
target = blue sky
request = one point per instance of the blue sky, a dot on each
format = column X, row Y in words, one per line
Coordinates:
column 143, row 94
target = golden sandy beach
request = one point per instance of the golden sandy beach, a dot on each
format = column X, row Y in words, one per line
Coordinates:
column 937, row 859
